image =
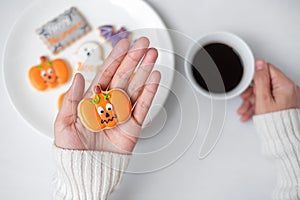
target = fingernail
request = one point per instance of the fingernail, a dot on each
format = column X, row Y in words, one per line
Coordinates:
column 260, row 65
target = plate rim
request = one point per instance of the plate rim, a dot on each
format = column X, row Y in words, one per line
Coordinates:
column 8, row 39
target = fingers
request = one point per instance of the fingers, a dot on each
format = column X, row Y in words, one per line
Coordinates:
column 136, row 84
column 248, row 114
column 280, row 82
column 248, row 104
column 272, row 90
column 262, row 81
column 244, row 107
column 247, row 93
column 129, row 63
column 275, row 73
column 109, row 66
column 244, row 110
column 72, row 97
column 145, row 99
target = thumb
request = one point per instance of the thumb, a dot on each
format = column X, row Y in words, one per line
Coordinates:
column 279, row 77
column 262, row 82
column 72, row 97
column 281, row 84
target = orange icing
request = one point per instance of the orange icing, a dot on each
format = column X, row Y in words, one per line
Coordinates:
column 105, row 113
column 60, row 100
column 64, row 34
column 48, row 74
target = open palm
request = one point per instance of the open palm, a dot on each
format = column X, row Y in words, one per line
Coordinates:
column 118, row 71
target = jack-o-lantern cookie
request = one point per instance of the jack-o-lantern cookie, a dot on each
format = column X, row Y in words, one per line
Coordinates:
column 48, row 74
column 105, row 110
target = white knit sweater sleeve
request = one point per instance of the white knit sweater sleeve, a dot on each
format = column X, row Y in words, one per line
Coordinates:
column 87, row 175
column 280, row 136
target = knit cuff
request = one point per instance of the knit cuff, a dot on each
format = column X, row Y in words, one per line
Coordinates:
column 84, row 175
column 279, row 132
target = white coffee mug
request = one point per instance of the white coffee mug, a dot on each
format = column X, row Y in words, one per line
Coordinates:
column 240, row 47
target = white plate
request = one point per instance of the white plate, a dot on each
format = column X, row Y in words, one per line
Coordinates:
column 23, row 49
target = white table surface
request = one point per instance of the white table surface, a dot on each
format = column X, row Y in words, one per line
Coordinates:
column 235, row 170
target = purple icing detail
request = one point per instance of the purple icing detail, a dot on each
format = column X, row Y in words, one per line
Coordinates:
column 113, row 37
column 106, row 31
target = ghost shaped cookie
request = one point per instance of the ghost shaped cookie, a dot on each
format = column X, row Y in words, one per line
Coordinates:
column 88, row 59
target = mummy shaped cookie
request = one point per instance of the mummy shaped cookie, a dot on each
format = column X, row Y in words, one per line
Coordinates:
column 109, row 34
column 63, row 30
column 105, row 109
column 88, row 59
column 48, row 74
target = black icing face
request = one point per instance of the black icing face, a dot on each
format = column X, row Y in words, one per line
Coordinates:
column 88, row 52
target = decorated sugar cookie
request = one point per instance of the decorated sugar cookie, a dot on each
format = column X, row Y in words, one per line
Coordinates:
column 60, row 100
column 109, row 34
column 63, row 30
column 105, row 109
column 49, row 74
column 88, row 59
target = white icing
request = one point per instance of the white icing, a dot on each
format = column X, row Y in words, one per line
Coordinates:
column 43, row 73
column 55, row 28
column 108, row 107
column 100, row 110
column 88, row 60
column 50, row 71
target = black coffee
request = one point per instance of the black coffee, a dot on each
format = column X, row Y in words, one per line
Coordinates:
column 217, row 68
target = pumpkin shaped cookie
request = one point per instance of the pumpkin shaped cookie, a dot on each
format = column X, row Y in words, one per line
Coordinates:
column 105, row 110
column 48, row 74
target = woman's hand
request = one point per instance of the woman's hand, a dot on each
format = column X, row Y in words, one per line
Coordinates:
column 272, row 91
column 116, row 72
